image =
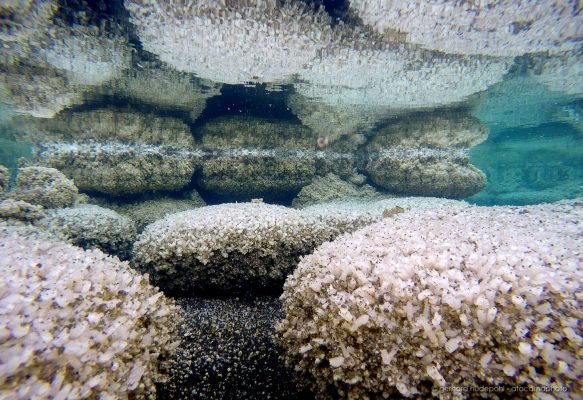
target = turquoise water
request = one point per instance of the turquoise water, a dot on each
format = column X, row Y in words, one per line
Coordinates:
column 530, row 165
column 533, row 152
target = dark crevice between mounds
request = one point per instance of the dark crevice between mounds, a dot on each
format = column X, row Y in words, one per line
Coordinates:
column 91, row 12
column 208, row 196
column 248, row 292
column 338, row 10
column 243, row 294
column 244, row 275
column 282, row 199
column 129, row 104
column 103, row 199
column 253, row 100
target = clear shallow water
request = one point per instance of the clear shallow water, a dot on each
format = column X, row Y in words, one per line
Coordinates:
column 530, row 165
column 532, row 153
column 332, row 71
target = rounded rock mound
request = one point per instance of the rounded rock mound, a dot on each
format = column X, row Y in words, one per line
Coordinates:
column 331, row 187
column 453, row 297
column 256, row 157
column 349, row 215
column 47, row 187
column 497, row 28
column 145, row 212
column 427, row 155
column 227, row 247
column 90, row 226
column 78, row 324
column 116, row 152
column 425, row 172
column 20, row 210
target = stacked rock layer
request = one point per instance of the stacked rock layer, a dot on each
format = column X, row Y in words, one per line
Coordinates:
column 427, row 156
column 116, row 152
column 254, row 157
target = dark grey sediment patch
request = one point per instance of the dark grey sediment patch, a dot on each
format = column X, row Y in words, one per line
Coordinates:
column 227, row 352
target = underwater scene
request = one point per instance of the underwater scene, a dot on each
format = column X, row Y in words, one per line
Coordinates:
column 291, row 199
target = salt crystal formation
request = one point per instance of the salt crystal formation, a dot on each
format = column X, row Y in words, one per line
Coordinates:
column 45, row 187
column 456, row 296
column 89, row 55
column 268, row 41
column 116, row 152
column 329, row 188
column 427, row 156
column 499, row 28
column 360, row 69
column 228, row 247
column 23, row 23
column 20, row 210
column 78, row 324
column 48, row 61
column 349, row 215
column 231, row 42
column 361, row 79
column 90, row 227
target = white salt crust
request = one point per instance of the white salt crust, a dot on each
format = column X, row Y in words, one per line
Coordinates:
column 498, row 28
column 458, row 296
column 89, row 55
column 356, row 74
column 238, row 42
column 269, row 41
column 47, row 187
column 350, row 215
column 78, row 324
